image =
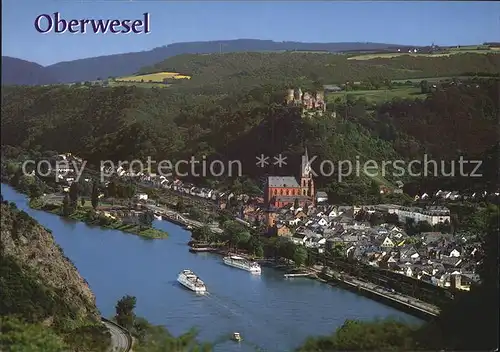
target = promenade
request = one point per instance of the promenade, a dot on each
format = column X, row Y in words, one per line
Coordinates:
column 384, row 294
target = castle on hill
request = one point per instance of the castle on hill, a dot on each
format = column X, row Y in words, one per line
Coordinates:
column 311, row 103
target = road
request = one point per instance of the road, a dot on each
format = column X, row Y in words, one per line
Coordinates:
column 119, row 339
column 396, row 296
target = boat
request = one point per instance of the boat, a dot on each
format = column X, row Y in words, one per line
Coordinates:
column 189, row 280
column 158, row 217
column 236, row 336
column 189, row 227
column 242, row 263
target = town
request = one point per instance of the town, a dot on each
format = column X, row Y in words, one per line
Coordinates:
column 417, row 242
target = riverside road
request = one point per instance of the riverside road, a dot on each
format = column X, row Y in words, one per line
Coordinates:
column 120, row 341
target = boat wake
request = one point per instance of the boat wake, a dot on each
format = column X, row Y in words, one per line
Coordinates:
column 221, row 303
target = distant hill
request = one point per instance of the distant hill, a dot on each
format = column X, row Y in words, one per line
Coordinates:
column 21, row 72
column 16, row 71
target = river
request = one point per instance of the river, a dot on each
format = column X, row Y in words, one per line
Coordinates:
column 270, row 312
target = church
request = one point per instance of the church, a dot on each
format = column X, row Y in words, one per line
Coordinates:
column 282, row 191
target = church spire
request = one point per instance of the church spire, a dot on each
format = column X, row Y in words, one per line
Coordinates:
column 306, row 166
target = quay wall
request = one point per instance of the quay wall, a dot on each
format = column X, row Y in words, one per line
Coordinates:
column 383, row 298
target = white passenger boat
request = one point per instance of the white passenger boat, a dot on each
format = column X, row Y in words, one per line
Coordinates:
column 158, row 217
column 188, row 279
column 242, row 263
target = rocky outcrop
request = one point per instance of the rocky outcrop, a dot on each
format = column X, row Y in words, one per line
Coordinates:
column 36, row 280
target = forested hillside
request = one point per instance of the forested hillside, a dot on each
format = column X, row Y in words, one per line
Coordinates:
column 229, row 72
column 212, row 117
column 21, row 72
column 92, row 68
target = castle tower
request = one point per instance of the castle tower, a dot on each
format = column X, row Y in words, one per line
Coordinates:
column 271, row 217
column 290, row 96
column 298, row 94
column 306, row 180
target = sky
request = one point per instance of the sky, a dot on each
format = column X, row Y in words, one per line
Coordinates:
column 404, row 22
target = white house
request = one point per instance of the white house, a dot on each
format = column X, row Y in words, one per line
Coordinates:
column 432, row 215
column 454, row 253
column 298, row 239
column 322, row 222
column 408, row 271
column 141, row 196
column 387, row 243
column 321, row 197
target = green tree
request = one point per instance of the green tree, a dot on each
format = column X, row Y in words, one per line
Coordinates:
column 158, row 339
column 82, row 201
column 73, row 194
column 195, row 213
column 95, row 196
column 146, row 219
column 237, row 187
column 385, row 335
column 424, row 87
column 35, row 191
column 376, row 219
column 423, row 226
column 66, row 206
column 300, row 255
column 203, row 234
column 180, row 206
column 16, row 335
column 296, row 203
column 125, row 311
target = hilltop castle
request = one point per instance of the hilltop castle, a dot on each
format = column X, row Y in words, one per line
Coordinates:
column 311, row 103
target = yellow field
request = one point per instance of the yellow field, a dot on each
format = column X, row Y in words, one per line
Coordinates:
column 153, row 77
column 391, row 55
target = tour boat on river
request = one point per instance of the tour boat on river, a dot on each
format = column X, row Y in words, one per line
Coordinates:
column 242, row 263
column 189, row 280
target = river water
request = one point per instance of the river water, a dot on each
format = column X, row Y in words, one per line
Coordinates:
column 271, row 313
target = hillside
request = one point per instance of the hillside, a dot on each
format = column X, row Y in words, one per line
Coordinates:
column 230, row 72
column 125, row 123
column 117, row 65
column 41, row 287
column 21, row 72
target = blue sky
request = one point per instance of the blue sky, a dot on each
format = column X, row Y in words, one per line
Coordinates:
column 418, row 23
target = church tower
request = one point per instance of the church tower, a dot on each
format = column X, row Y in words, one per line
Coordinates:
column 306, row 180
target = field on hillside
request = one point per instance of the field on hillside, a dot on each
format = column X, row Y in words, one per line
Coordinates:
column 379, row 95
column 441, row 54
column 139, row 84
column 153, row 77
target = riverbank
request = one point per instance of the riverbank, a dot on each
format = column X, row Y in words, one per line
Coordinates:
column 87, row 215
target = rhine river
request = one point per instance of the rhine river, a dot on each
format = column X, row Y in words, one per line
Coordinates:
column 271, row 313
